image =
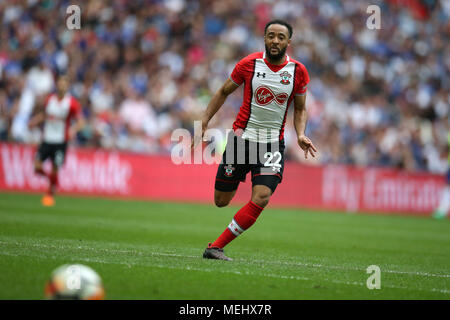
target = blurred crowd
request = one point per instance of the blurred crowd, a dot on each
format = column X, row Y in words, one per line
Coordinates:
column 146, row 67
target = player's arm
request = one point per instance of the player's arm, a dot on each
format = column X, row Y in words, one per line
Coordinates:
column 36, row 120
column 39, row 114
column 214, row 105
column 79, row 123
column 77, row 126
column 300, row 117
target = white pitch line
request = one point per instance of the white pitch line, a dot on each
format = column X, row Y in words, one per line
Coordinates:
column 303, row 264
column 318, row 265
column 246, row 273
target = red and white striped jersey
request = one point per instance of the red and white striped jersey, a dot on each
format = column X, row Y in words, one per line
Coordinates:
column 58, row 114
column 268, row 91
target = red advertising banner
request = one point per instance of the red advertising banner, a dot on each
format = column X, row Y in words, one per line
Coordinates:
column 152, row 177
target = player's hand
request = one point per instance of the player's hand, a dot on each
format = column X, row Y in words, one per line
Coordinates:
column 72, row 133
column 196, row 139
column 308, row 147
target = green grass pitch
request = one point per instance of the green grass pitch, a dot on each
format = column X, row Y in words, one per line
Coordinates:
column 152, row 250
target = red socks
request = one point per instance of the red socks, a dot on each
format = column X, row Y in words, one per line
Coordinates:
column 242, row 220
column 40, row 172
column 53, row 179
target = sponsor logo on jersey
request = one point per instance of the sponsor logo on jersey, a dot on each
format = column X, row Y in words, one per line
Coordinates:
column 285, row 77
column 264, row 96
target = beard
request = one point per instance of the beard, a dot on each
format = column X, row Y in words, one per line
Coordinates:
column 275, row 57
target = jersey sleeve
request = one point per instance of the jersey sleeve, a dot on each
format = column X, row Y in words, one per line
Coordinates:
column 301, row 80
column 75, row 108
column 46, row 100
column 238, row 75
column 244, row 69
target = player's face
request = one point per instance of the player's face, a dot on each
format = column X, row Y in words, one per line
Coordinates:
column 276, row 41
column 62, row 85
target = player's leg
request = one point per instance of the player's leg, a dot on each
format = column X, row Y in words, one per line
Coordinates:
column 38, row 167
column 444, row 202
column 44, row 151
column 57, row 161
column 227, row 181
column 229, row 175
column 57, row 156
column 266, row 176
column 261, row 193
column 231, row 171
column 247, row 215
column 48, row 199
column 53, row 178
column 263, row 187
column 41, row 155
column 223, row 198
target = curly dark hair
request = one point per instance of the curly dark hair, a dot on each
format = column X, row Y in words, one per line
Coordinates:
column 282, row 22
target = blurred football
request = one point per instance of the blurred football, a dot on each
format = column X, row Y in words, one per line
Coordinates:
column 74, row 282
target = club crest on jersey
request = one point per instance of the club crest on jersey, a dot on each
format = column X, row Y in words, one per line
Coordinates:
column 229, row 170
column 285, row 77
